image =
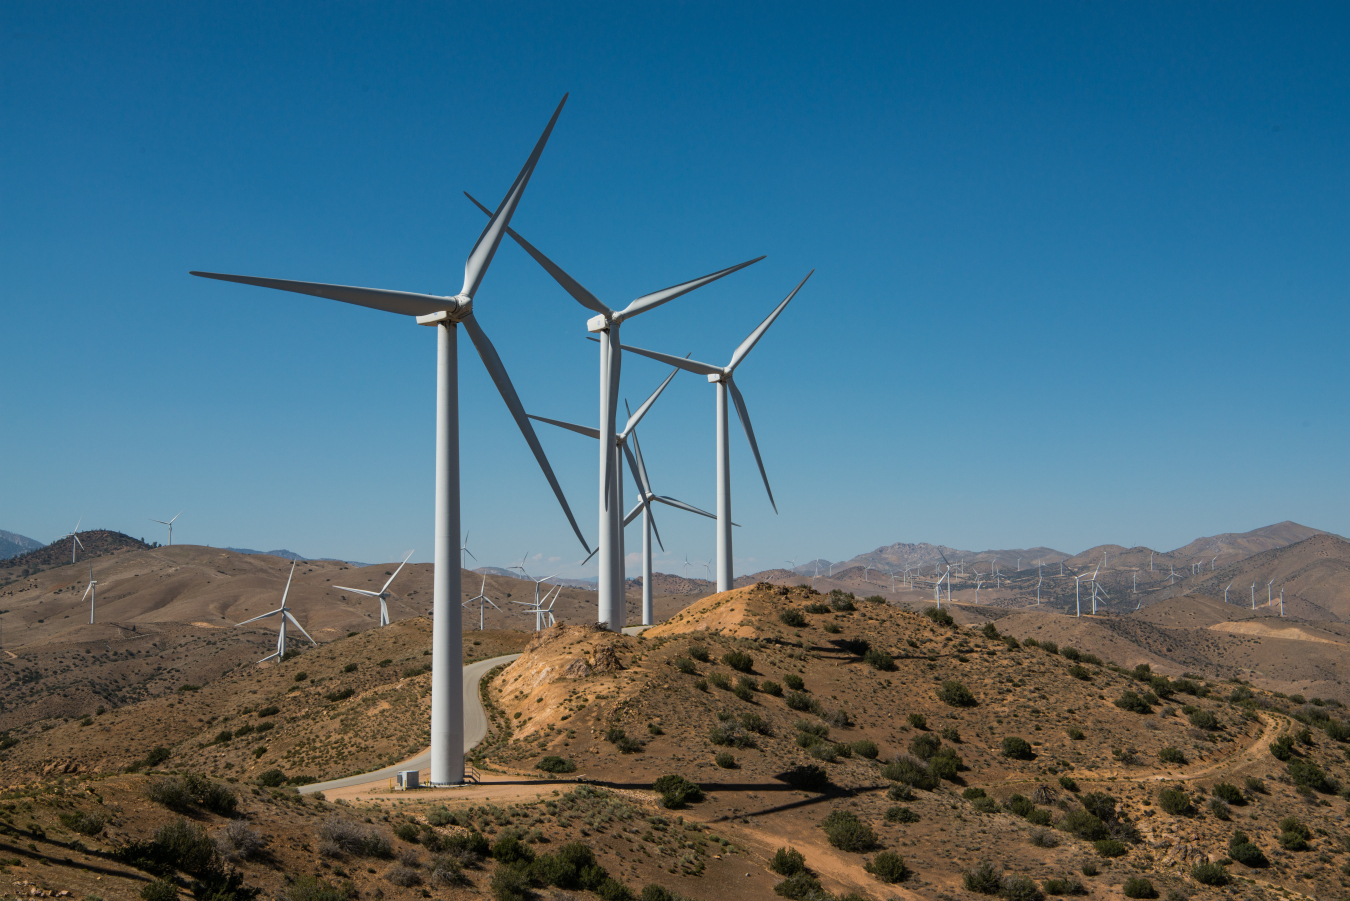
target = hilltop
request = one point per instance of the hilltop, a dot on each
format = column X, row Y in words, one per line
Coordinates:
column 93, row 544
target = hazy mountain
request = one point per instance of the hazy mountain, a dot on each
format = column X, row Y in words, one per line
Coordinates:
column 292, row 555
column 13, row 544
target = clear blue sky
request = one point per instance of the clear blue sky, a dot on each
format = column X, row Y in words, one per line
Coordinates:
column 1082, row 269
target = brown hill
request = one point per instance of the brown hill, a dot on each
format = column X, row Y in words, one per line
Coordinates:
column 1314, row 573
column 1233, row 546
column 95, row 543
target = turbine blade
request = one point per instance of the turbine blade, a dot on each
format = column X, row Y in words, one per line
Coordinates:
column 86, row 592
column 488, row 353
column 635, row 418
column 571, row 427
column 405, row 303
column 256, row 618
column 750, row 435
column 176, row 515
column 758, row 333
column 475, row 267
column 469, row 552
column 681, row 505
column 641, row 464
column 644, row 490
column 296, row 622
column 651, row 517
column 77, row 540
column 288, row 586
column 680, row 362
column 632, row 514
column 569, row 284
column 396, row 572
column 656, row 298
column 589, row 556
column 369, row 594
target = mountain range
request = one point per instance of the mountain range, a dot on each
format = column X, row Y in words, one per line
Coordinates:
column 13, row 544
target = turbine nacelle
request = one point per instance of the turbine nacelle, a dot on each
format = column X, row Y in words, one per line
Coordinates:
column 457, row 309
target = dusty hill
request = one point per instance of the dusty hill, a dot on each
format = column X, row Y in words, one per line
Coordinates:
column 1233, row 546
column 667, row 584
column 96, row 543
column 896, row 557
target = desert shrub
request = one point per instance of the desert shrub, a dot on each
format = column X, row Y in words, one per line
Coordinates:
column 510, row 847
column 721, row 680
column 1176, row 802
column 403, row 876
column 848, row 833
column 911, row 772
column 446, row 870
column 182, row 794
column 1049, row 647
column 271, row 778
column 554, row 764
column 310, row 888
column 838, row 717
column 730, row 735
column 1132, row 702
column 1071, row 885
column 983, row 879
column 83, row 823
column 939, row 616
column 1210, row 874
column 806, row 777
column 1109, row 847
column 900, row 792
column 1084, row 825
column 899, row 814
column 817, row 607
column 1203, row 719
column 699, row 653
column 1308, row 775
column 924, row 746
column 788, row 862
column 1020, row 805
column 1039, row 817
column 792, row 617
column 918, row 721
column 685, row 665
column 573, row 866
column 1072, row 654
column 972, row 793
column 676, row 791
column 511, row 884
column 1337, row 730
column 823, row 751
column 1080, row 672
column 1294, row 826
column 794, row 682
column 879, row 660
column 1100, row 804
column 160, row 890
column 343, row 838
column 1017, row 748
column 1139, row 887
column 1220, row 809
column 800, row 887
column 955, row 694
column 1172, row 755
column 990, row 631
column 269, row 710
column 888, row 866
column 753, row 722
column 740, row 661
column 408, row 832
column 769, row 687
column 831, row 627
column 1068, row 784
column 842, row 602
column 1226, row 791
column 239, row 841
column 946, row 764
column 726, row 760
column 333, row 696
column 986, row 805
column 1075, row 734
column 1019, row 888
column 800, row 700
column 1241, row 849
column 1043, row 838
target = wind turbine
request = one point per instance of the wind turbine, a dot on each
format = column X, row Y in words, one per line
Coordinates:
column 537, row 583
column 482, row 600
column 1150, row 561
column 169, row 524
column 722, row 377
column 382, row 594
column 540, row 612
column 1039, row 580
column 90, row 593
column 1213, row 563
column 446, row 314
column 286, row 614
column 707, row 570
column 948, row 577
column 464, row 549
column 1225, row 592
column 1269, row 600
column 686, row 566
column 613, row 607
column 1281, row 600
column 1093, row 580
column 1077, row 596
column 978, row 583
column 1253, row 595
column 75, row 538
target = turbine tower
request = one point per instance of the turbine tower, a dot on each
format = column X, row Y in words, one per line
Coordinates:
column 613, row 603
column 464, row 549
column 286, row 614
column 90, row 593
column 722, row 378
column 483, row 600
column 446, row 314
column 170, row 522
column 383, row 594
column 74, row 537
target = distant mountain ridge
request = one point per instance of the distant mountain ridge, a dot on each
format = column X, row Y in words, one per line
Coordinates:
column 12, row 544
column 291, row 555
column 93, row 543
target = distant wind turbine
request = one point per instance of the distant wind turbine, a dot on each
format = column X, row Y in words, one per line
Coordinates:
column 286, row 614
column 383, row 594
column 75, row 538
column 1253, row 595
column 1225, row 592
column 1269, row 599
column 483, row 600
column 169, row 524
column 464, row 549
column 89, row 593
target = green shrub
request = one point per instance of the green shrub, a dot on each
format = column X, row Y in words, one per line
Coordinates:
column 1080, row 672
column 1132, row 702
column 83, row 823
column 1176, row 802
column 685, row 665
column 986, row 805
column 1084, row 825
column 900, row 792
column 1020, row 805
column 1019, row 888
column 351, row 667
column 899, row 814
column 1039, row 817
column 792, row 617
column 924, row 746
column 271, row 778
column 721, row 680
column 1308, row 775
column 939, row 616
column 160, row 890
column 1068, row 784
column 1075, row 734
column 555, row 764
column 848, row 833
column 1172, row 755
column 511, row 884
column 879, row 660
column 1283, row 747
column 1220, row 809
column 341, row 838
column 1203, row 719
column 983, row 879
column 310, row 888
column 794, row 682
column 888, row 867
column 800, row 887
column 800, row 700
column 1071, row 885
column 744, row 692
column 918, row 721
column 182, row 794
column 1210, row 874
column 911, row 772
column 770, row 687
column 1017, row 748
column 440, row 816
column 510, row 847
column 335, row 696
column 842, row 602
column 973, row 792
column 1109, row 847
column 865, row 748
column 676, row 791
column 408, row 832
column 740, row 661
column 946, row 764
column 817, row 607
column 1226, row 791
column 806, row 777
column 726, row 760
column 788, row 862
column 730, row 735
column 1139, row 887
column 955, row 694
column 823, row 751
column 1241, row 849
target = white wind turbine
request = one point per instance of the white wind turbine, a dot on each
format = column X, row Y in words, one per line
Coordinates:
column 483, row 600
column 1225, row 592
column 464, row 549
column 1281, row 600
column 537, row 582
column 541, row 613
column 90, row 593
column 722, row 378
column 286, row 614
column 169, row 524
column 1039, row 580
column 383, row 594
column 75, row 539
column 1269, row 600
column 613, row 604
column 1093, row 580
column 978, row 583
column 446, row 314
column 1253, row 595
column 1077, row 596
